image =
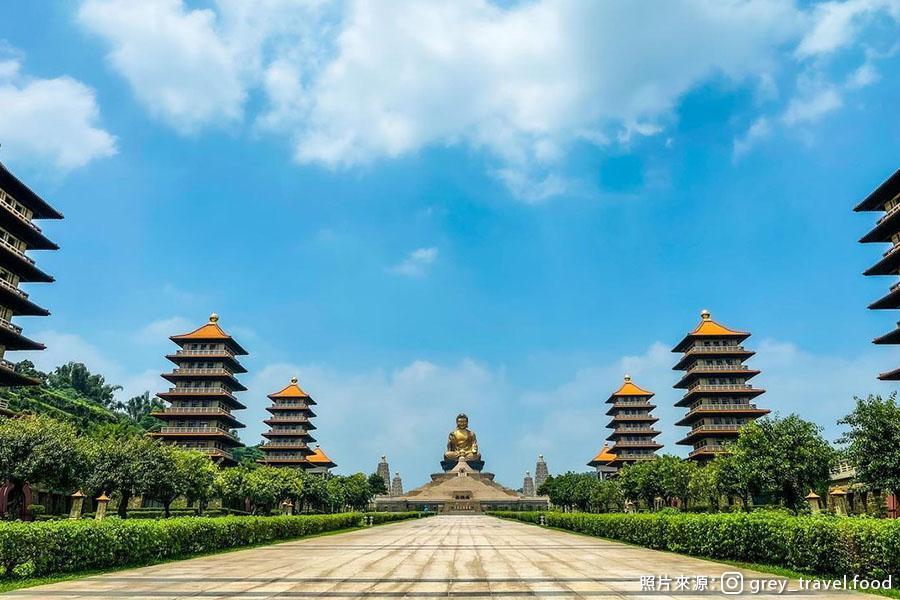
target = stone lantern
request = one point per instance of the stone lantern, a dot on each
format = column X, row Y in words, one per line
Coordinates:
column 287, row 507
column 102, row 502
column 814, row 502
column 77, row 505
column 629, row 506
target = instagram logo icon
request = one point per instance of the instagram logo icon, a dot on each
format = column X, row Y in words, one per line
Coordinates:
column 732, row 582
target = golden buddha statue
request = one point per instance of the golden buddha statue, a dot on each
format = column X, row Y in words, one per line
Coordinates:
column 462, row 443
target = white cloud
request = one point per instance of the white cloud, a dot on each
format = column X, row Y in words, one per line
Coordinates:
column 417, row 263
column 758, row 131
column 174, row 59
column 835, row 25
column 812, row 105
column 50, row 120
column 161, row 329
column 357, row 82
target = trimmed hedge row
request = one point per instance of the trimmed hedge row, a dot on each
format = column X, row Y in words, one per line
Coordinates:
column 820, row 545
column 42, row 548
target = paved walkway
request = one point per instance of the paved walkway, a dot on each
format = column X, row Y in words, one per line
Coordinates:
column 439, row 557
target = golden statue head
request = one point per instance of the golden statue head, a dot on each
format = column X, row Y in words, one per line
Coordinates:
column 462, row 421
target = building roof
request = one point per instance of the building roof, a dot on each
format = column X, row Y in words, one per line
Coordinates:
column 707, row 328
column 292, row 390
column 628, row 388
column 603, row 457
column 320, row 459
column 210, row 332
column 889, row 188
column 21, row 192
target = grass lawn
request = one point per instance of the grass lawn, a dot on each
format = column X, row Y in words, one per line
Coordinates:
column 8, row 585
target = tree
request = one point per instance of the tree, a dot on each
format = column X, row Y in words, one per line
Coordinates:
column 40, row 450
column 357, row 491
column 159, row 474
column 229, row 485
column 78, row 377
column 873, row 442
column 27, row 368
column 376, row 484
column 606, row 496
column 114, row 465
column 138, row 408
column 704, row 486
column 197, row 477
column 336, row 494
column 264, row 487
column 641, row 481
column 781, row 459
column 246, row 456
column 315, row 494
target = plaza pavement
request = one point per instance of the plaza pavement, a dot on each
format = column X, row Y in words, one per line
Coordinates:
column 438, row 557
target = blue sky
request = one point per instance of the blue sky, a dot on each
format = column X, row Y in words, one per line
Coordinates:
column 421, row 208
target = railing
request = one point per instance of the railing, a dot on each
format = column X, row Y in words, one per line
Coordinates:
column 707, row 448
column 214, row 451
column 714, row 349
column 174, row 410
column 891, row 250
column 8, row 201
column 219, row 352
column 16, row 250
column 631, row 455
column 10, row 326
column 718, row 427
column 214, row 389
column 700, row 407
column 296, row 419
column 621, row 417
column 10, row 286
column 743, row 387
column 619, row 403
column 291, row 405
column 197, row 430
column 636, row 443
column 283, row 445
column 888, row 213
column 202, row 371
column 287, row 432
column 636, row 431
column 842, row 470
column 718, row 368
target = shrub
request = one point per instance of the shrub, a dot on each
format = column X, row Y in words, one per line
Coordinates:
column 46, row 547
column 820, row 545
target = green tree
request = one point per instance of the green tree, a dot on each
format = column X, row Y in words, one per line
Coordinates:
column 357, row 491
column 606, row 496
column 247, row 456
column 40, row 450
column 27, row 368
column 704, row 486
column 77, row 376
column 337, row 496
column 114, row 464
column 265, row 487
column 873, row 442
column 159, row 475
column 781, row 459
column 376, row 484
column 229, row 485
column 138, row 408
column 315, row 494
column 674, row 475
column 197, row 477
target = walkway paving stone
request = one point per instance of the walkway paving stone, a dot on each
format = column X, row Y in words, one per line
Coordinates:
column 439, row 557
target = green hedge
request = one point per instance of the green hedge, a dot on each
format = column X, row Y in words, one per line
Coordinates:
column 42, row 548
column 820, row 545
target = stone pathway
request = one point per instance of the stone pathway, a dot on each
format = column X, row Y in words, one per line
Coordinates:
column 439, row 557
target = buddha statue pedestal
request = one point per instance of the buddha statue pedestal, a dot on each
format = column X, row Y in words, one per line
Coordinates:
column 476, row 464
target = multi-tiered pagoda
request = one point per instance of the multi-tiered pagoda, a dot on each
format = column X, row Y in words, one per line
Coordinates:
column 601, row 462
column 717, row 396
column 319, row 462
column 887, row 230
column 632, row 425
column 202, row 400
column 19, row 207
column 288, row 436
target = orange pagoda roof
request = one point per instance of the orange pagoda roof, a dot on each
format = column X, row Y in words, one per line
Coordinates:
column 320, row 459
column 628, row 388
column 293, row 390
column 210, row 332
column 603, row 457
column 709, row 328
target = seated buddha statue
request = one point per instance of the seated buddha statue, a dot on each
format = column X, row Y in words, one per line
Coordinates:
column 462, row 443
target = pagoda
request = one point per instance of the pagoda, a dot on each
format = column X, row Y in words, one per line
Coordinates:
column 717, row 395
column 288, row 436
column 202, row 398
column 602, row 461
column 19, row 207
column 632, row 425
column 886, row 199
column 541, row 472
column 319, row 462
